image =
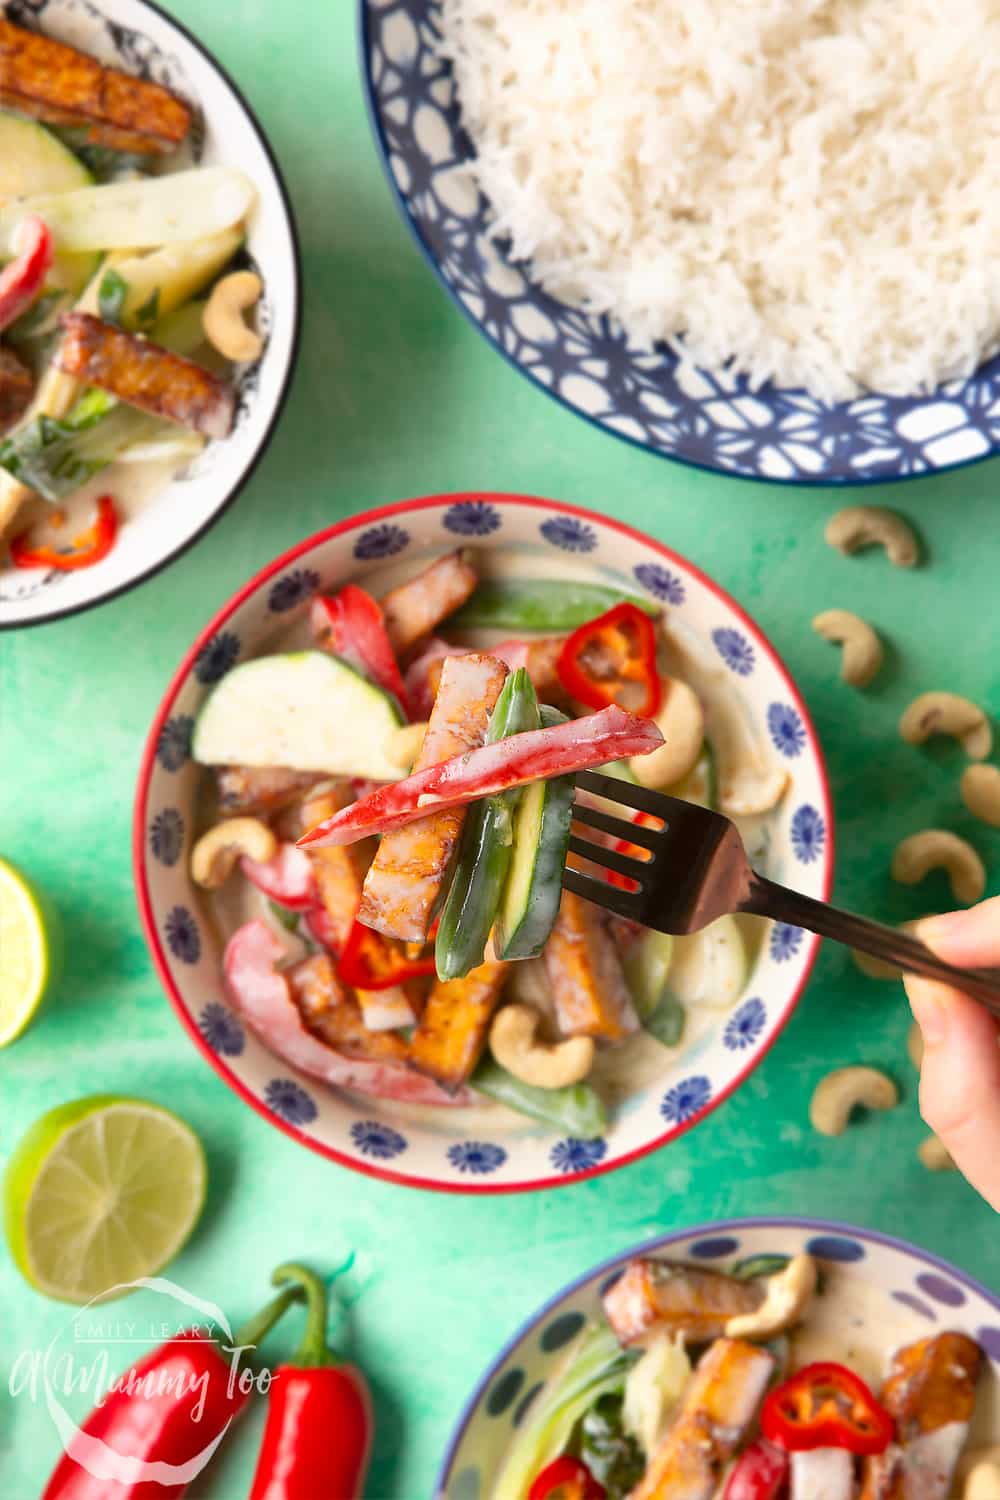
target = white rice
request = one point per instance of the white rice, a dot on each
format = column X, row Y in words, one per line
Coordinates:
column 807, row 191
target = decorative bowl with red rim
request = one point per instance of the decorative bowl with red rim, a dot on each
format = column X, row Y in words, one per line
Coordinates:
column 483, row 1149
column 883, row 1293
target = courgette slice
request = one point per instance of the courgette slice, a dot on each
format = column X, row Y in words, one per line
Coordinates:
column 33, row 161
column 303, row 711
column 530, row 901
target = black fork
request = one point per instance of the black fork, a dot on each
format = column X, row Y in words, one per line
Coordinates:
column 697, row 870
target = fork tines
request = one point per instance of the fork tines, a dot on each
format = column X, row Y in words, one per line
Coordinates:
column 615, row 789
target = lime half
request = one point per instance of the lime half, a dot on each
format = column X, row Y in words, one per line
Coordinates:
column 99, row 1192
column 27, row 930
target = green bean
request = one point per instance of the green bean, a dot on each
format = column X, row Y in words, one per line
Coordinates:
column 541, row 604
column 485, row 847
column 667, row 1019
column 577, row 1111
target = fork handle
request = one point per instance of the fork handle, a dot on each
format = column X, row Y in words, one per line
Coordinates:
column 767, row 899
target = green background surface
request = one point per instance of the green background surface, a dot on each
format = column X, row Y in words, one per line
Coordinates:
column 397, row 396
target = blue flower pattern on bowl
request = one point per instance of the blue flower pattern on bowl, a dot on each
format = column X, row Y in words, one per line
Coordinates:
column 808, row 834
column 574, row 1155
column 166, row 836
column 660, row 581
column 221, row 1030
column 675, row 1103
column 173, row 744
column 735, row 650
column 569, row 534
column 292, row 589
column 289, row 1101
column 787, row 731
column 685, row 1099
column 710, row 419
column 216, row 657
column 183, row 938
column 377, row 1140
column 478, row 1157
column 745, row 1025
column 384, row 540
column 785, row 941
column 471, row 518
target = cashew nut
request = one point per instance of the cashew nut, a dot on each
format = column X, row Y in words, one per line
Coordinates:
column 216, row 852
column 947, row 713
column 404, row 744
column 784, row 1304
column 915, row 1045
column 935, row 1157
column 879, row 968
column 862, row 648
column 936, row 848
column 836, row 1095
column 222, row 319
column 515, row 1044
column 980, row 789
column 972, row 1459
column 860, row 526
column 983, row 1482
column 681, row 721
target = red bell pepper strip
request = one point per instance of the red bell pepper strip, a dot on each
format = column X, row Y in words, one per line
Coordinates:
column 351, row 624
column 825, row 1405
column 613, row 660
column 318, row 1436
column 161, row 1416
column 369, row 962
column 23, row 279
column 539, row 753
column 287, row 878
column 761, row 1473
column 88, row 548
column 566, row 1479
column 634, row 851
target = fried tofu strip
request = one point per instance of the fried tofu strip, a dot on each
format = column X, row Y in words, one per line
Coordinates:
column 16, row 387
column 718, row 1408
column 331, row 1013
column 255, row 790
column 538, row 657
column 145, row 375
column 417, row 606
column 451, row 1035
column 931, row 1392
column 655, row 1297
column 404, row 884
column 340, row 871
column 585, row 972
column 55, row 83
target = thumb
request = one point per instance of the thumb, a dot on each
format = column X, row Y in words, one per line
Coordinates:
column 960, row 1075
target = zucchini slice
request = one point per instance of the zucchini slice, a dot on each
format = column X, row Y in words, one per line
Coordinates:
column 303, row 711
column 530, row 901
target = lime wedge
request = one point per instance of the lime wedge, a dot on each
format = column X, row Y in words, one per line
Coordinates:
column 27, row 930
column 99, row 1192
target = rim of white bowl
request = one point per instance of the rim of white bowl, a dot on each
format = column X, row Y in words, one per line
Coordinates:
column 140, row 862
column 264, row 443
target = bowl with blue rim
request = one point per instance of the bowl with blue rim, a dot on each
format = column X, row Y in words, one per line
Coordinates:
column 707, row 419
column 889, row 1291
column 510, row 536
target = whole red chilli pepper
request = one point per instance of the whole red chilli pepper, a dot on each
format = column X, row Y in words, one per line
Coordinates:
column 166, row 1410
column 318, row 1436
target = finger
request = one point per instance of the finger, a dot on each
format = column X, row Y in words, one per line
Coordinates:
column 960, row 1081
column 970, row 938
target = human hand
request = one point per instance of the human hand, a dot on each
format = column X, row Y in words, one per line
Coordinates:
column 960, row 1074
